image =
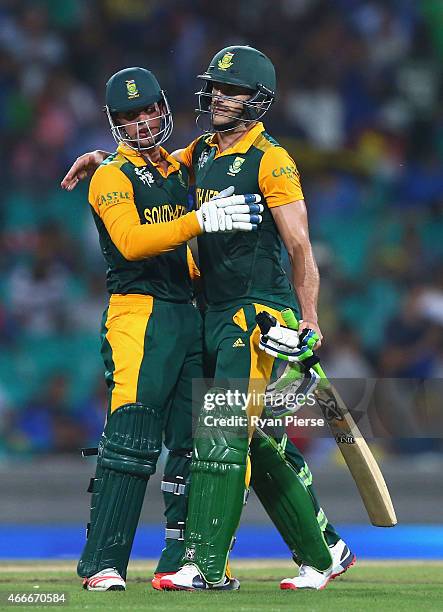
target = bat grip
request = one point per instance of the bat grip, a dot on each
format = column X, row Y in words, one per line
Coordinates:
column 289, row 318
column 317, row 368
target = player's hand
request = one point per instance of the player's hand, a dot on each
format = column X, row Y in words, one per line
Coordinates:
column 227, row 212
column 286, row 343
column 311, row 326
column 84, row 166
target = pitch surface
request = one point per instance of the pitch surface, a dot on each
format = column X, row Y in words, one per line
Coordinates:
column 368, row 586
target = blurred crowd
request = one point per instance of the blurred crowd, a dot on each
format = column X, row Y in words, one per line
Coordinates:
column 359, row 84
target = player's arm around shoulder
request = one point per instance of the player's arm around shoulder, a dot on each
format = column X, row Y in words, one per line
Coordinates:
column 280, row 183
column 84, row 166
column 185, row 156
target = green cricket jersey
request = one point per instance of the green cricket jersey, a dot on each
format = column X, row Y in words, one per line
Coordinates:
column 126, row 191
column 243, row 266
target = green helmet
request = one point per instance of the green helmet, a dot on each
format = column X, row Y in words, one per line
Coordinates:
column 245, row 67
column 134, row 89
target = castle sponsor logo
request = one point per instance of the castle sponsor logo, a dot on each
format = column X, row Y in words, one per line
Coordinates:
column 113, row 197
column 290, row 172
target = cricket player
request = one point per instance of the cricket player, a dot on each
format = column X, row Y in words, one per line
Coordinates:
column 242, row 275
column 151, row 331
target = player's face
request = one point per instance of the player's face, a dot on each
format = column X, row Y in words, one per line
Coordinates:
column 227, row 102
column 141, row 125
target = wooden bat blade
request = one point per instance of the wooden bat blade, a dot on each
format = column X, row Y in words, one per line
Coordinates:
column 358, row 457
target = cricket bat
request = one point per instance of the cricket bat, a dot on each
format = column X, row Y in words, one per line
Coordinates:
column 354, row 448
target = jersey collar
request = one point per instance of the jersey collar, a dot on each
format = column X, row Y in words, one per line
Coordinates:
column 242, row 146
column 138, row 160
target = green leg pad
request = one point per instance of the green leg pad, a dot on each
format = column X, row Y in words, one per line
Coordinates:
column 175, row 486
column 127, row 456
column 218, row 483
column 287, row 502
column 296, row 459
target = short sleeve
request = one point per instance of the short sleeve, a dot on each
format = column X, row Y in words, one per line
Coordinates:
column 188, row 152
column 278, row 178
column 109, row 186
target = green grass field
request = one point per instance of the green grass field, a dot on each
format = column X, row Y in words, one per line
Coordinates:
column 384, row 586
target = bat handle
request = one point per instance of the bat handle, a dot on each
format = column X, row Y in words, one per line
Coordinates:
column 321, row 372
column 289, row 318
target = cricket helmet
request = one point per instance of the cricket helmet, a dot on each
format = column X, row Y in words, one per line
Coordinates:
column 134, row 89
column 245, row 67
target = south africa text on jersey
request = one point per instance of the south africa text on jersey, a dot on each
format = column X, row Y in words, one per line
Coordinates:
column 164, row 213
column 204, row 195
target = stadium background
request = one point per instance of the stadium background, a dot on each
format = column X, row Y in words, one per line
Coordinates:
column 358, row 107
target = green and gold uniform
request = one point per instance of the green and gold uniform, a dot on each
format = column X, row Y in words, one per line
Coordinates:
column 239, row 268
column 242, row 275
column 152, row 349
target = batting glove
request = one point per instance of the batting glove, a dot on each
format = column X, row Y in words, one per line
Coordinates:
column 227, row 212
column 291, row 390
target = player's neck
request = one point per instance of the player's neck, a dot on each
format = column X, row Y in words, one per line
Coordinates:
column 225, row 140
column 153, row 155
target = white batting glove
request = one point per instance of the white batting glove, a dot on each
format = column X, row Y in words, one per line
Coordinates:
column 227, row 212
column 280, row 342
column 225, row 193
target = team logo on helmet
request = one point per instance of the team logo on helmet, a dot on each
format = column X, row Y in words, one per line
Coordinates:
column 226, row 61
column 131, row 89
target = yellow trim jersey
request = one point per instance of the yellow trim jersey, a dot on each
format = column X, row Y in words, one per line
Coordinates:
column 140, row 211
column 244, row 265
